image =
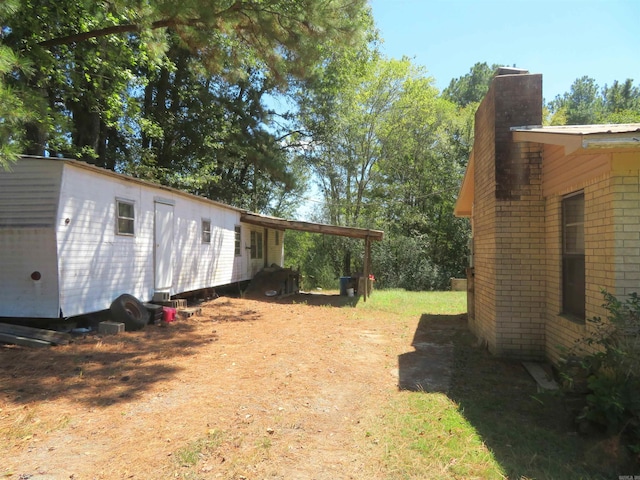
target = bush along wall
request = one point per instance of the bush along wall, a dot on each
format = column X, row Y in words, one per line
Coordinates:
column 605, row 368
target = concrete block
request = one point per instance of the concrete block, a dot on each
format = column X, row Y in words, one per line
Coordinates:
column 110, row 328
column 189, row 312
column 161, row 297
column 175, row 303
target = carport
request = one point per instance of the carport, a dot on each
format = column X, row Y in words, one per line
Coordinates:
column 365, row 234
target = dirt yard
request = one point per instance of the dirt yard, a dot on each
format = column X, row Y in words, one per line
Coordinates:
column 278, row 389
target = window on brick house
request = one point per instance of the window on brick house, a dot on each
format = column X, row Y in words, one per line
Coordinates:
column 573, row 281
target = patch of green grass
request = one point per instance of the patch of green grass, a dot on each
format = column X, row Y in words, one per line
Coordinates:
column 190, row 454
column 491, row 422
column 424, row 435
column 414, row 304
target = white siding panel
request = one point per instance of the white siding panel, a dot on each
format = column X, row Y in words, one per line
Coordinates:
column 24, row 251
column 200, row 265
column 28, row 205
column 29, row 193
column 96, row 265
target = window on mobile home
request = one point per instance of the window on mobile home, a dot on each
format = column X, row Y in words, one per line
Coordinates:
column 206, row 231
column 238, row 240
column 126, row 217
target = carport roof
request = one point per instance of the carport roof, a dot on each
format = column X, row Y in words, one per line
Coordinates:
column 280, row 223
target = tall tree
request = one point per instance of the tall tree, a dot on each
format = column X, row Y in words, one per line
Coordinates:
column 472, row 87
column 389, row 152
column 90, row 53
column 585, row 103
column 621, row 102
column 580, row 106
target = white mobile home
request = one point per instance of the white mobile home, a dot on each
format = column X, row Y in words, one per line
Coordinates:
column 73, row 237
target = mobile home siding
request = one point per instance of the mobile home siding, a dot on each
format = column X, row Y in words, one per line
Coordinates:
column 200, row 265
column 95, row 264
column 29, row 194
column 29, row 200
column 58, row 218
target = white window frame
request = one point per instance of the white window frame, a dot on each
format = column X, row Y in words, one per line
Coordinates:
column 129, row 220
column 237, row 232
column 205, row 230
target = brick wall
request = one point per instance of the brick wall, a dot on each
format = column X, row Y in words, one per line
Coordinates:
column 518, row 232
column 562, row 332
column 520, row 260
column 508, row 223
column 626, row 211
column 484, row 222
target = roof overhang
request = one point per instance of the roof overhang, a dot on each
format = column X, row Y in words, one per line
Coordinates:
column 586, row 137
column 282, row 224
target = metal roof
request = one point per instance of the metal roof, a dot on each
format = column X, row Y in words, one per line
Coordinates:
column 574, row 137
column 581, row 129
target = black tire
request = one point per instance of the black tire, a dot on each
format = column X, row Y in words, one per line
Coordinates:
column 129, row 310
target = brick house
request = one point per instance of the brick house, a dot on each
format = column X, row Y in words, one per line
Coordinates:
column 555, row 215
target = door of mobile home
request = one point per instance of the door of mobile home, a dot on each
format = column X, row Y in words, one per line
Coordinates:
column 163, row 246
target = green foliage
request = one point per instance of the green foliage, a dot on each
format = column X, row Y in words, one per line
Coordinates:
column 174, row 92
column 610, row 359
column 404, row 262
column 586, row 103
column 472, row 87
column 319, row 258
column 13, row 101
column 389, row 152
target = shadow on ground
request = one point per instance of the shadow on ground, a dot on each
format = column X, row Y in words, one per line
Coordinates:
column 531, row 434
column 97, row 370
column 312, row 298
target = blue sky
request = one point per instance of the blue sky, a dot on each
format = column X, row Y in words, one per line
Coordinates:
column 562, row 39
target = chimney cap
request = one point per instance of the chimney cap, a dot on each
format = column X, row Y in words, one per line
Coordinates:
column 511, row 71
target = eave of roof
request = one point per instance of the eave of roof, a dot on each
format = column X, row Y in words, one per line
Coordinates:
column 245, row 216
column 127, row 178
column 575, row 137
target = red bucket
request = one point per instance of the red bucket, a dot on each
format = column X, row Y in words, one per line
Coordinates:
column 168, row 314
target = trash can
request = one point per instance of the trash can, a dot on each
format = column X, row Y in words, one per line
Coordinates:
column 344, row 284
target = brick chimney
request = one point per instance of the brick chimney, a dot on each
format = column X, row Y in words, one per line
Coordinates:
column 508, row 218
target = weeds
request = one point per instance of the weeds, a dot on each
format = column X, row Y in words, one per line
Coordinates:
column 609, row 360
column 190, row 455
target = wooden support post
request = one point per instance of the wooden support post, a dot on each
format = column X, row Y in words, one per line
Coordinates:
column 367, row 261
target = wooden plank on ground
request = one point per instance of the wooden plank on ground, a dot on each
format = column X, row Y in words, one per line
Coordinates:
column 24, row 341
column 57, row 338
column 544, row 381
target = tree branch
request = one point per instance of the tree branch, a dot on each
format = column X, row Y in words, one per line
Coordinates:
column 133, row 27
column 116, row 29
